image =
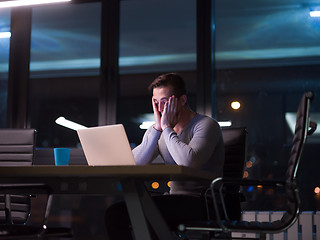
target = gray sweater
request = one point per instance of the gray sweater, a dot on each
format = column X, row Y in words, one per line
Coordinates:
column 198, row 145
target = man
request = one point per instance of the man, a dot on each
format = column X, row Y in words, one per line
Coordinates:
column 180, row 136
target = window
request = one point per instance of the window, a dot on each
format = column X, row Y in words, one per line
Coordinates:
column 4, row 63
column 267, row 55
column 265, row 33
column 65, row 40
column 155, row 37
column 65, row 62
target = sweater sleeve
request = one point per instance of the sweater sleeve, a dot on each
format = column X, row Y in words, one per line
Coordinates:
column 196, row 153
column 145, row 152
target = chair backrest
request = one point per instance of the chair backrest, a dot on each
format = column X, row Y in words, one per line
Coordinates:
column 303, row 128
column 234, row 162
column 235, row 151
column 17, row 147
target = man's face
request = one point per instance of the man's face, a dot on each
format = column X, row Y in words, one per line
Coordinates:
column 161, row 95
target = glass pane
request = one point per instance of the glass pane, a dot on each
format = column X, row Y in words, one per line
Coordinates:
column 267, row 56
column 157, row 36
column 265, row 33
column 4, row 63
column 75, row 99
column 65, row 40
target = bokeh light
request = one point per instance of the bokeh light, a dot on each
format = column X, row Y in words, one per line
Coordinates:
column 155, row 185
column 249, row 164
column 235, row 105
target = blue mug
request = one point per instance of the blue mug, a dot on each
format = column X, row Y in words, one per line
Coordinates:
column 61, row 156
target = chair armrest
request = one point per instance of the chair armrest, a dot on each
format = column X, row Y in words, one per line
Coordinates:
column 217, row 191
column 312, row 128
column 206, row 197
column 248, row 182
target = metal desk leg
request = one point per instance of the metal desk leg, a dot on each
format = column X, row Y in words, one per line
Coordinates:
column 154, row 216
column 137, row 218
column 141, row 207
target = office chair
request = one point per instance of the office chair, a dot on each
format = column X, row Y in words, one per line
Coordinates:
column 304, row 128
column 235, row 149
column 17, row 148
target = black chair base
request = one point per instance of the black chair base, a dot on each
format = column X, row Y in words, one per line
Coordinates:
column 32, row 232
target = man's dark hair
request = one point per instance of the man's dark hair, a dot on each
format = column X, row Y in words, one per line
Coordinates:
column 172, row 80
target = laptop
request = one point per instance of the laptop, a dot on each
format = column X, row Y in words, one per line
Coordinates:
column 106, row 146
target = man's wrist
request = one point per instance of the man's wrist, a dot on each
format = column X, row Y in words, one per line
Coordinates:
column 159, row 130
column 167, row 126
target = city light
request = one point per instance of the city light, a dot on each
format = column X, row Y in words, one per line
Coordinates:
column 20, row 3
column 69, row 124
column 235, row 105
column 5, row 34
column 155, row 185
column 147, row 124
column 225, row 123
column 314, row 13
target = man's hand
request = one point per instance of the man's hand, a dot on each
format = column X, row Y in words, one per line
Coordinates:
column 157, row 116
column 170, row 114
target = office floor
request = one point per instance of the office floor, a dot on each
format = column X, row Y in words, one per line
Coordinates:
column 84, row 214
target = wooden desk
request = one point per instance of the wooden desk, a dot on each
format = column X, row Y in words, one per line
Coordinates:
column 122, row 180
